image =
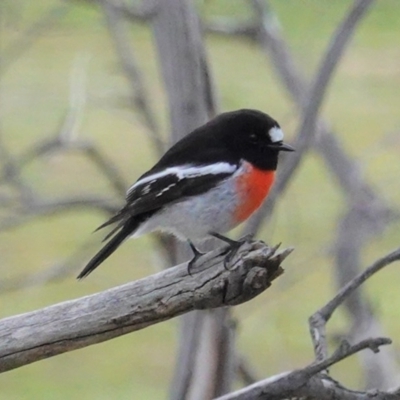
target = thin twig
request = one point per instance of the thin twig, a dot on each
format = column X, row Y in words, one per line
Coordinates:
column 54, row 273
column 226, row 26
column 52, row 145
column 39, row 208
column 11, row 174
column 321, row 317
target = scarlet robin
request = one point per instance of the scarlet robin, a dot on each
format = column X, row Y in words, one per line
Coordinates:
column 206, row 184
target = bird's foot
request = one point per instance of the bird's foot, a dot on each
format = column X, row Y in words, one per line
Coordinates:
column 233, row 248
column 196, row 255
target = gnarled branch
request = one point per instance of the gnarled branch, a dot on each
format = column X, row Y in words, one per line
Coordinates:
column 93, row 319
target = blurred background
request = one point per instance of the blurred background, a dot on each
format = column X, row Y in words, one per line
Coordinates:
column 72, row 139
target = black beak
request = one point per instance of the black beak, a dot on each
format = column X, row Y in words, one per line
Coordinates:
column 280, row 146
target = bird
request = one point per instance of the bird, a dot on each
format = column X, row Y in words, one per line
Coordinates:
column 206, row 184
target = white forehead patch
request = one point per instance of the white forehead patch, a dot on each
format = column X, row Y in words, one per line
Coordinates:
column 275, row 134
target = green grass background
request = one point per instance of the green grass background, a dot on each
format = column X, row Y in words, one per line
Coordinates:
column 362, row 105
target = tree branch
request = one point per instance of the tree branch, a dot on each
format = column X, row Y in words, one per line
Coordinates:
column 56, row 272
column 321, row 317
column 311, row 382
column 128, row 61
column 306, row 132
column 39, row 208
column 26, row 39
column 306, row 383
column 93, row 319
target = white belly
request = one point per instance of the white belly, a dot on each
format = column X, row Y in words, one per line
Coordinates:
column 196, row 216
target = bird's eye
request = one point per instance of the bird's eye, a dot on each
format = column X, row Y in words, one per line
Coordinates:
column 253, row 138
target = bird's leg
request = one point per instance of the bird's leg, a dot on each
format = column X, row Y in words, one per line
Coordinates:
column 233, row 248
column 196, row 255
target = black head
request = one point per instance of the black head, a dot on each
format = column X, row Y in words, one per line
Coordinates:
column 253, row 136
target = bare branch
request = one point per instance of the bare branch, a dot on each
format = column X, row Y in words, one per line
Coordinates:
column 341, row 165
column 52, row 145
column 305, row 383
column 77, row 99
column 78, row 323
column 226, row 26
column 183, row 64
column 310, row 382
column 134, row 12
column 11, row 174
column 320, row 318
column 132, row 71
column 245, row 371
column 27, row 38
column 105, row 165
column 306, row 132
column 215, row 349
column 38, row 208
column 55, row 273
column 189, row 340
column 272, row 41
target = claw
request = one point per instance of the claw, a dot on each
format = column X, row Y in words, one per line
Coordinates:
column 196, row 255
column 233, row 248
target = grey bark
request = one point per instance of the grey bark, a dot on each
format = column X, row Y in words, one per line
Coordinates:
column 93, row 319
column 181, row 55
column 191, row 101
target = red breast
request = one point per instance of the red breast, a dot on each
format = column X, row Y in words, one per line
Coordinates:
column 253, row 187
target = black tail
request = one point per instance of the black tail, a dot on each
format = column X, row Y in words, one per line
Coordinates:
column 112, row 245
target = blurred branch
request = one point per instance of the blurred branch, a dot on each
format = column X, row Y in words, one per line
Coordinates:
column 143, row 12
column 245, row 371
column 30, row 205
column 26, row 39
column 189, row 343
column 56, row 272
column 362, row 221
column 93, row 319
column 227, row 26
column 39, row 208
column 77, row 99
column 321, row 317
column 134, row 12
column 52, row 145
column 216, row 349
column 184, row 67
column 315, row 95
column 11, row 174
column 128, row 61
column 66, row 134
column 344, row 168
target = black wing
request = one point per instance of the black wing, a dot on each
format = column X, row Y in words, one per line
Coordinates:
column 152, row 192
column 146, row 197
column 167, row 183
